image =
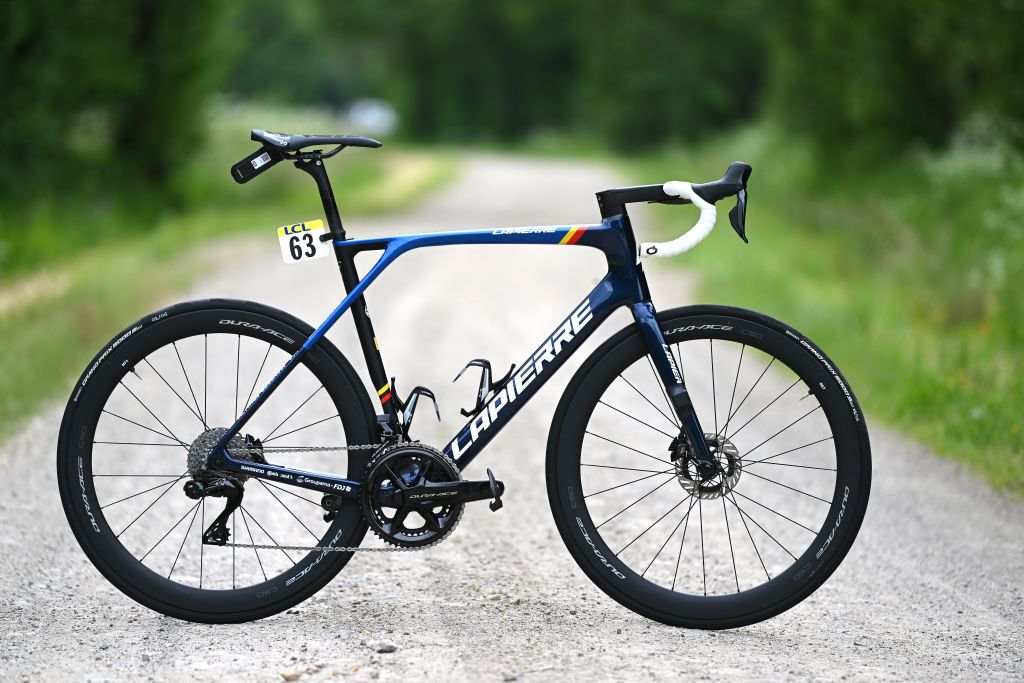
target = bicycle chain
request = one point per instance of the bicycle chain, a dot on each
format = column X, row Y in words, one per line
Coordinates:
column 330, row 548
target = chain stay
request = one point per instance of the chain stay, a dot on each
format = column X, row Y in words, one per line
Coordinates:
column 322, row 548
column 306, row 449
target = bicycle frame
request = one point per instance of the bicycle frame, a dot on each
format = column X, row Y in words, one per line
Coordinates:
column 624, row 285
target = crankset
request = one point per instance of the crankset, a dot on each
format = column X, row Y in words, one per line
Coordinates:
column 413, row 495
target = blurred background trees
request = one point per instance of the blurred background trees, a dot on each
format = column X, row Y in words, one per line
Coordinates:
column 91, row 82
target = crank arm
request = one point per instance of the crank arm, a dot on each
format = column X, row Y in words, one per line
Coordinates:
column 442, row 493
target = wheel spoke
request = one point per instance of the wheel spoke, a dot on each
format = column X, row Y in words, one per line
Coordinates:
column 610, row 467
column 654, row 524
column 635, row 502
column 258, row 373
column 308, row 399
column 290, row 512
column 735, row 383
column 630, row 448
column 686, row 524
column 311, row 424
column 168, row 429
column 148, row 429
column 818, row 407
column 233, row 526
column 751, row 518
column 173, row 478
column 238, row 368
column 670, row 535
column 751, row 536
column 813, row 443
column 774, row 511
column 175, row 526
column 161, row 476
column 202, row 546
column 291, row 493
column 612, row 488
column 728, row 532
column 190, row 391
column 703, row 563
column 660, row 411
column 135, row 443
column 257, row 522
column 174, row 391
column 206, row 355
column 725, row 429
column 788, row 464
column 646, row 424
column 795, row 382
column 150, row 506
column 786, row 486
column 255, row 550
column 714, row 393
column 185, row 538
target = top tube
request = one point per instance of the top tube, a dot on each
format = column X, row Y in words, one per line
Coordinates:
column 537, row 234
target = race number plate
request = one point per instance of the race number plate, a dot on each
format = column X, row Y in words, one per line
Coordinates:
column 301, row 241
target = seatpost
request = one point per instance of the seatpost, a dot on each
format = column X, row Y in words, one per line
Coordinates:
column 318, row 171
column 350, row 278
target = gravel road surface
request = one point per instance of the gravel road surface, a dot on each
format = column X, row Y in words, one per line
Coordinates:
column 933, row 588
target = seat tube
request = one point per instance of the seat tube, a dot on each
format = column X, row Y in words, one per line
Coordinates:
column 671, row 377
column 350, row 278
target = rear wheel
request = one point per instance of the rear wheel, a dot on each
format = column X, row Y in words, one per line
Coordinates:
column 139, row 425
column 746, row 544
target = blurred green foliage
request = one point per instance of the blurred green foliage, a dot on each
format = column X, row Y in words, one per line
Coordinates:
column 90, row 79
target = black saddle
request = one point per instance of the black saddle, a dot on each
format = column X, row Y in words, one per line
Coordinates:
column 285, row 142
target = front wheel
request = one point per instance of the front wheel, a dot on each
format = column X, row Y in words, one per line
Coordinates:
column 762, row 534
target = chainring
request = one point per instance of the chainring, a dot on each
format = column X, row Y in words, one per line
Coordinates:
column 393, row 516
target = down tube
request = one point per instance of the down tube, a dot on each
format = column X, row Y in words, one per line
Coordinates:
column 533, row 372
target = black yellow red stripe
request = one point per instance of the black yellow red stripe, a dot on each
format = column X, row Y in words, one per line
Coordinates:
column 573, row 235
column 385, row 393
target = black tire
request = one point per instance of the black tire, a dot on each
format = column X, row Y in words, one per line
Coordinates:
column 644, row 588
column 127, row 358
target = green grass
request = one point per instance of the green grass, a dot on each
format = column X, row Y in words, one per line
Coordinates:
column 57, row 309
column 908, row 275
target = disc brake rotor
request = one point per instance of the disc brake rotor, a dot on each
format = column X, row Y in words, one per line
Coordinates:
column 730, row 467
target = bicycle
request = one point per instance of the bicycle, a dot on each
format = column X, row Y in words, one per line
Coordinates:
column 779, row 453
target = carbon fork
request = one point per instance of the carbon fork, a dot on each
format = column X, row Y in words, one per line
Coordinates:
column 671, row 376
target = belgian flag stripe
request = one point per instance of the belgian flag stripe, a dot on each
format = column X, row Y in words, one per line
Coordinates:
column 573, row 235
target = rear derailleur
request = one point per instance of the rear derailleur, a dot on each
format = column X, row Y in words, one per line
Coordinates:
column 218, row 532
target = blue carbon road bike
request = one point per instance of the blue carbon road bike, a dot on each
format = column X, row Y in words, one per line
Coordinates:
column 707, row 466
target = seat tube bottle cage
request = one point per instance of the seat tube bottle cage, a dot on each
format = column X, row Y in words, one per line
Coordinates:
column 623, row 285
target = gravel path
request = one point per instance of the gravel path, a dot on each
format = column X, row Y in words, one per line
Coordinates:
column 932, row 589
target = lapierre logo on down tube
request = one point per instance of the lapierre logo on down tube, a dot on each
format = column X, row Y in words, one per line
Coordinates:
column 531, row 369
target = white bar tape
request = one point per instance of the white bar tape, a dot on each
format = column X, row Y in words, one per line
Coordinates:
column 692, row 237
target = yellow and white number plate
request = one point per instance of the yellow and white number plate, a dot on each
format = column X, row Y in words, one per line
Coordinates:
column 301, row 241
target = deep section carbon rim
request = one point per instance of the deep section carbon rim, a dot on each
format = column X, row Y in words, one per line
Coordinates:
column 760, row 535
column 150, row 435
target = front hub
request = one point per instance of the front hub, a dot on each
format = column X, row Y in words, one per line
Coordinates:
column 721, row 478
